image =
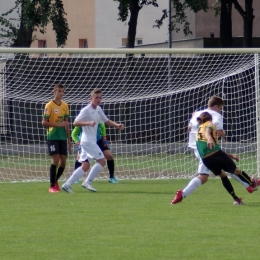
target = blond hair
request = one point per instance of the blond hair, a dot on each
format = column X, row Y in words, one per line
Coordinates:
column 95, row 91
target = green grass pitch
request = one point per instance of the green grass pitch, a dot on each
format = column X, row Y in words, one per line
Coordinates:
column 129, row 220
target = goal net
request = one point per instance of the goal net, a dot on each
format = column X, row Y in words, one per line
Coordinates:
column 152, row 91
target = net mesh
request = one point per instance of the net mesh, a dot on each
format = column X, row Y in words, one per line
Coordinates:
column 154, row 95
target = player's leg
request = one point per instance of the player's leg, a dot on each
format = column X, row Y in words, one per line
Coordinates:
column 93, row 152
column 110, row 160
column 228, row 165
column 194, row 183
column 250, row 184
column 228, row 186
column 111, row 166
column 76, row 175
column 53, row 149
column 63, row 150
column 95, row 170
column 77, row 162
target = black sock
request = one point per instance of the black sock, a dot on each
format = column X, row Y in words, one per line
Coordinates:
column 77, row 164
column 228, row 186
column 111, row 168
column 53, row 174
column 59, row 172
column 245, row 178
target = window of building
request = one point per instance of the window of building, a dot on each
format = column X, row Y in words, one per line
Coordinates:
column 42, row 44
column 124, row 42
column 139, row 41
column 83, row 43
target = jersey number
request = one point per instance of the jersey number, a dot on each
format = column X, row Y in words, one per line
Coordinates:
column 52, row 148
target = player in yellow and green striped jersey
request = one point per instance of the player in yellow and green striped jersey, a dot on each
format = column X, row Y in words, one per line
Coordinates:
column 56, row 120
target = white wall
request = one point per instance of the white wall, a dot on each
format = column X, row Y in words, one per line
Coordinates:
column 110, row 31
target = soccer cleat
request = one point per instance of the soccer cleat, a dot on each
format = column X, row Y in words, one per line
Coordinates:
column 88, row 187
column 238, row 202
column 67, row 188
column 178, row 197
column 113, row 180
column 255, row 183
column 53, row 190
column 250, row 189
column 76, row 182
column 57, row 187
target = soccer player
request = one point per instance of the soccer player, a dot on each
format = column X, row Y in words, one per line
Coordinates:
column 215, row 105
column 213, row 157
column 55, row 119
column 89, row 118
column 103, row 145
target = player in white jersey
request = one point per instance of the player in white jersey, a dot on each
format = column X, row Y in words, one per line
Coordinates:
column 215, row 105
column 89, row 118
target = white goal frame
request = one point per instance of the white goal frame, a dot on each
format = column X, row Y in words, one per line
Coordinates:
column 141, row 52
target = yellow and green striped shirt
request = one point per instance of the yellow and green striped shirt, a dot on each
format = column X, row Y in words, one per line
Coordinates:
column 201, row 140
column 56, row 114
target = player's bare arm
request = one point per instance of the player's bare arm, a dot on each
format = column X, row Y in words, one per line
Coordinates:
column 233, row 156
column 221, row 133
column 210, row 141
column 47, row 123
column 68, row 133
column 80, row 123
column 114, row 124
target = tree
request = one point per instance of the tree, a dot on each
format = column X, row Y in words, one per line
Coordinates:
column 179, row 14
column 225, row 11
column 226, row 23
column 33, row 15
column 248, row 19
column 134, row 6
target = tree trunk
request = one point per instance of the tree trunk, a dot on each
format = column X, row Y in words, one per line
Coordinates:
column 226, row 24
column 134, row 11
column 248, row 24
column 24, row 36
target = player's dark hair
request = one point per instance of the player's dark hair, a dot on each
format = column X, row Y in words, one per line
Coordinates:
column 58, row 86
column 204, row 117
column 95, row 91
column 215, row 101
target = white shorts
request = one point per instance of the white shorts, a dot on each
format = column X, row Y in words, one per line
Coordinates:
column 201, row 167
column 90, row 151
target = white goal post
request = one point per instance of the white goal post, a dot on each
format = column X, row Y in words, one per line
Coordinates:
column 152, row 91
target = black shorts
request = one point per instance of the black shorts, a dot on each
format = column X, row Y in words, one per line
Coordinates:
column 219, row 161
column 57, row 147
column 101, row 145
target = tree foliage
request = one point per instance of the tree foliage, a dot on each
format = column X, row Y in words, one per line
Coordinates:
column 132, row 7
column 178, row 18
column 33, row 15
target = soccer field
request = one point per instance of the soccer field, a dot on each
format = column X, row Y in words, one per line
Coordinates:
column 128, row 166
column 129, row 220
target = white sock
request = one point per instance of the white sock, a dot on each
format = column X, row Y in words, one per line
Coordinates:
column 193, row 185
column 235, row 177
column 95, row 170
column 76, row 175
